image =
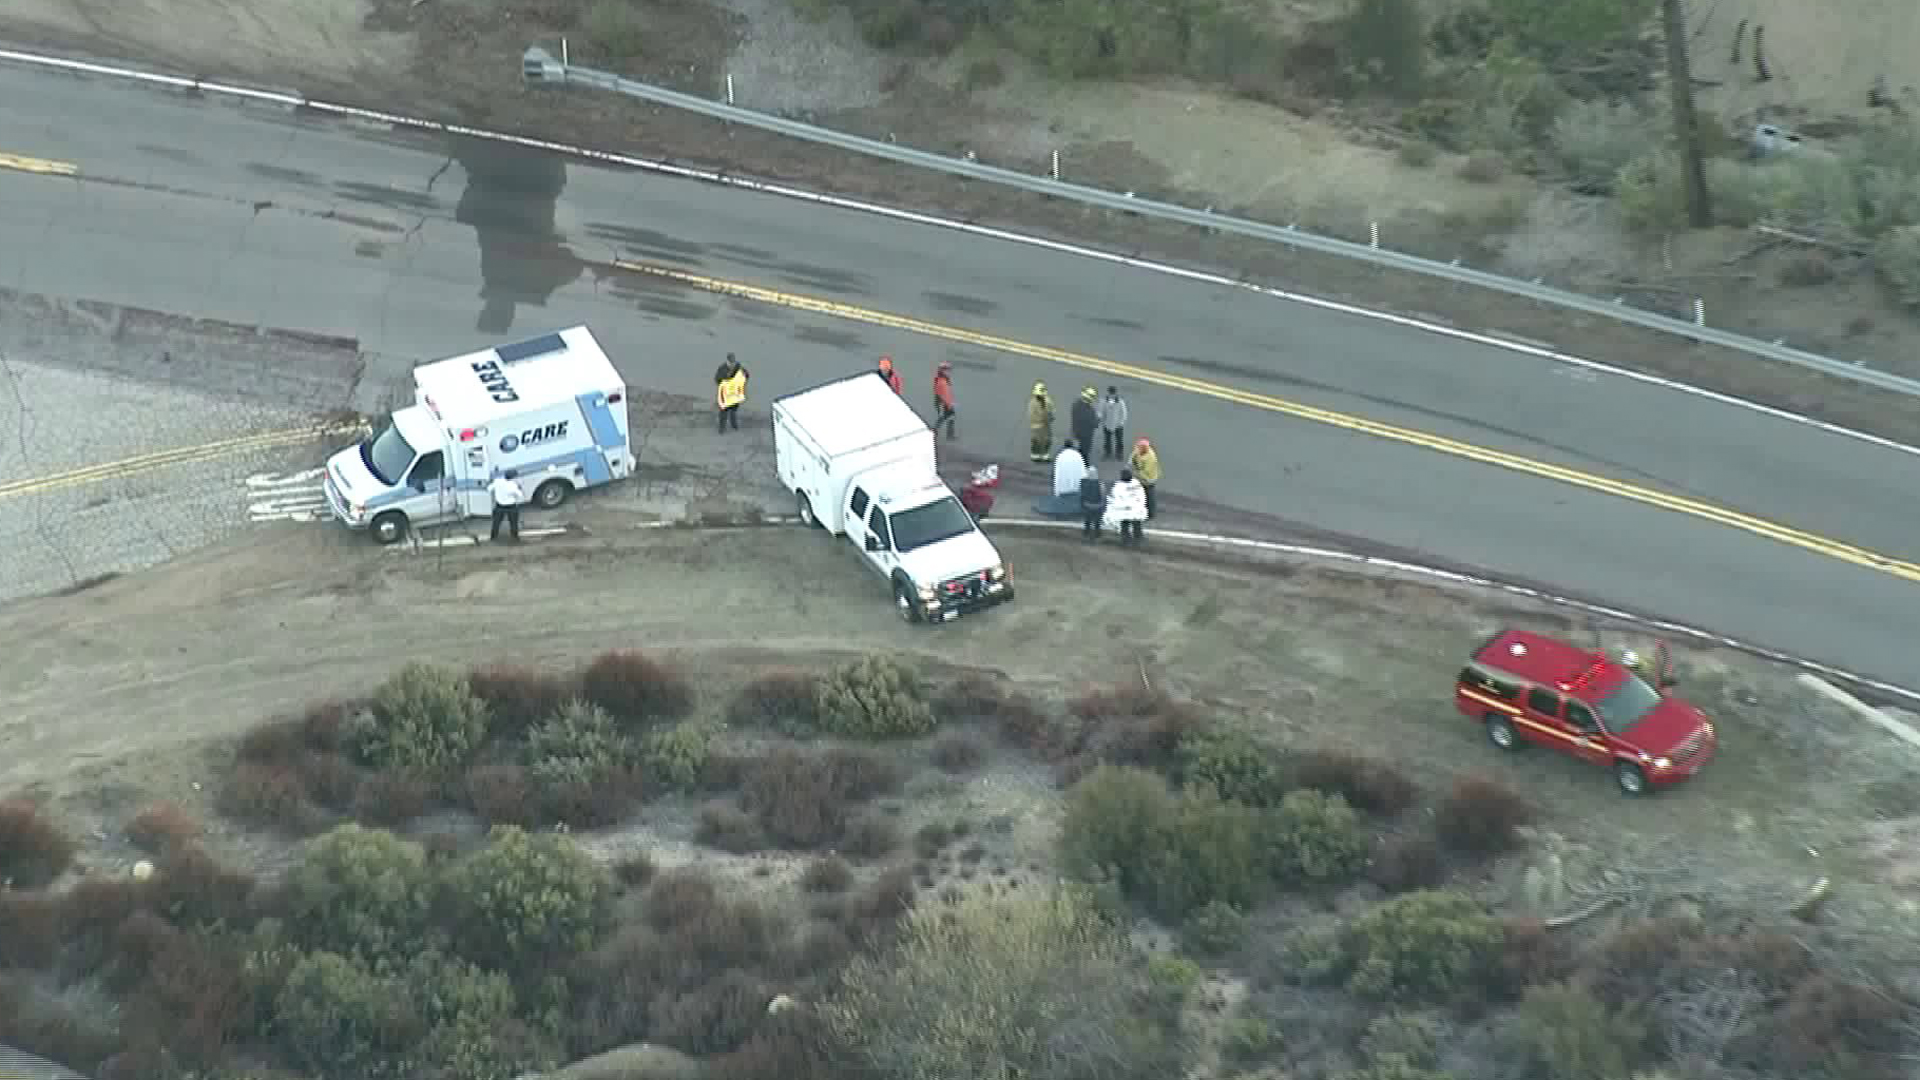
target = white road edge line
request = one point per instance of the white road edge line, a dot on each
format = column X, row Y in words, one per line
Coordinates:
column 1808, row 667
column 1487, row 339
column 469, row 540
column 1904, row 732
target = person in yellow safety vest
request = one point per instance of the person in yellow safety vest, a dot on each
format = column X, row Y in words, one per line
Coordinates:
column 1145, row 464
column 730, row 392
column 1040, row 423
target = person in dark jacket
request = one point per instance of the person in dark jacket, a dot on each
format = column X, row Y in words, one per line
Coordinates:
column 1093, row 504
column 1086, row 420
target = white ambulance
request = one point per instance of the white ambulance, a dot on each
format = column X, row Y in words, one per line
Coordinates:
column 552, row 409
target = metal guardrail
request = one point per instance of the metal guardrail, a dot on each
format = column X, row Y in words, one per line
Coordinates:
column 539, row 66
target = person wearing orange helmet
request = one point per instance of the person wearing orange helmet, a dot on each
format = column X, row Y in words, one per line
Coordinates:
column 1145, row 464
column 943, row 397
column 891, row 376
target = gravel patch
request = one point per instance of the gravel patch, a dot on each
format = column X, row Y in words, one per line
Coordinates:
column 787, row 64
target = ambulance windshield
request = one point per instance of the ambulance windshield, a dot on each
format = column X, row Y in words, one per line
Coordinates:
column 387, row 456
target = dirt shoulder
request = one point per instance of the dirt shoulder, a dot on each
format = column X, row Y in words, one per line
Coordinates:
column 455, row 61
column 126, row 692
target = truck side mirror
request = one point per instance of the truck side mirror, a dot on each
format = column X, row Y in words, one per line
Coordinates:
column 873, row 543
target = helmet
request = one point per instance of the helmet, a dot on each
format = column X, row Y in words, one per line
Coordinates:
column 1630, row 658
column 945, row 365
column 886, row 363
column 1090, row 393
column 1039, row 389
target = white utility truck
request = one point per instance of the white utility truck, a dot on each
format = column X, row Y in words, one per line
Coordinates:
column 552, row 409
column 860, row 463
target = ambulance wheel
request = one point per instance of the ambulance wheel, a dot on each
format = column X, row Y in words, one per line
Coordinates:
column 1501, row 734
column 550, row 495
column 803, row 506
column 390, row 527
column 904, row 603
column 1632, row 781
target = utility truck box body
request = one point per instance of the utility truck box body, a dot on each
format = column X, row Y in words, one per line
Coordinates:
column 552, row 409
column 862, row 464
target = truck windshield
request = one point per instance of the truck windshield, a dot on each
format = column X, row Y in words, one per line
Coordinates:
column 387, row 456
column 1627, row 703
column 930, row 524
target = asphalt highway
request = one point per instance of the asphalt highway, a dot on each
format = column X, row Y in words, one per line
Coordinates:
column 422, row 248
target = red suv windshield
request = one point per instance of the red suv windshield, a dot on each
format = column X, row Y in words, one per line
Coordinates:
column 1625, row 705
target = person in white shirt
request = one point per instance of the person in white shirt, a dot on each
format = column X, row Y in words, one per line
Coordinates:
column 1068, row 468
column 1127, row 508
column 507, row 498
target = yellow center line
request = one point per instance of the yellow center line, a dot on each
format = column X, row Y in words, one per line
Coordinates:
column 19, row 163
column 1785, row 534
column 182, row 455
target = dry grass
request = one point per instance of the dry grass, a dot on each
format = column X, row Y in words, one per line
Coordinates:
column 635, row 688
column 162, row 827
column 33, row 851
column 1481, row 817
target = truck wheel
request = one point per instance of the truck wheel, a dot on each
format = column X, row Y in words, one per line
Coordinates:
column 1501, row 734
column 550, row 495
column 804, row 508
column 905, row 602
column 1631, row 779
column 390, row 527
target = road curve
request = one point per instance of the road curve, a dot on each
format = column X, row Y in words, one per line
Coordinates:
column 420, row 248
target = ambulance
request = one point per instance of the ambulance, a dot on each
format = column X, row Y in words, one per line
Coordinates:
column 553, row 409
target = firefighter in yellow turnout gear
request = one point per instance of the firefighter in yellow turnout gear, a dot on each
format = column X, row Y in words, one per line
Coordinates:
column 1040, row 424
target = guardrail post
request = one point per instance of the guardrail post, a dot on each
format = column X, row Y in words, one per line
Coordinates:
column 1699, row 312
column 563, row 51
column 729, row 87
column 1373, row 234
column 1056, row 164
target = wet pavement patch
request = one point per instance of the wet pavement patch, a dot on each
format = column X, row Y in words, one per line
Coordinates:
column 283, row 175
column 968, row 305
column 823, row 335
column 382, row 195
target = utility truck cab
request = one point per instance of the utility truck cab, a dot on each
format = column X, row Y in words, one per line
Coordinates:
column 861, row 464
column 553, row 409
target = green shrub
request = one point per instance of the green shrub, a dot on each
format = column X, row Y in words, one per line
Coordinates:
column 579, row 740
column 1410, row 1037
column 1392, row 1068
column 1416, row 153
column 33, row 851
column 1214, row 851
column 1422, row 945
column 362, row 893
column 1896, row 258
column 1114, row 816
column 676, row 757
column 874, row 698
column 424, row 720
column 729, row 828
column 336, row 1019
column 1214, row 930
column 525, row 898
column 1594, row 141
column 1567, row 1035
column 1317, row 837
column 1234, row 764
column 992, row 980
column 472, row 1031
column 1248, row 1038
column 1385, row 45
column 1173, row 979
column 1314, row 954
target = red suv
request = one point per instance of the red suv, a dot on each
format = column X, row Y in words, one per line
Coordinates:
column 1530, row 688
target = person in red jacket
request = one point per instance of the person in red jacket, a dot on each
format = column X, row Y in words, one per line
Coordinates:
column 891, row 376
column 943, row 397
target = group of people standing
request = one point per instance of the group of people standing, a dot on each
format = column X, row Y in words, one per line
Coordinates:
column 1131, row 500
